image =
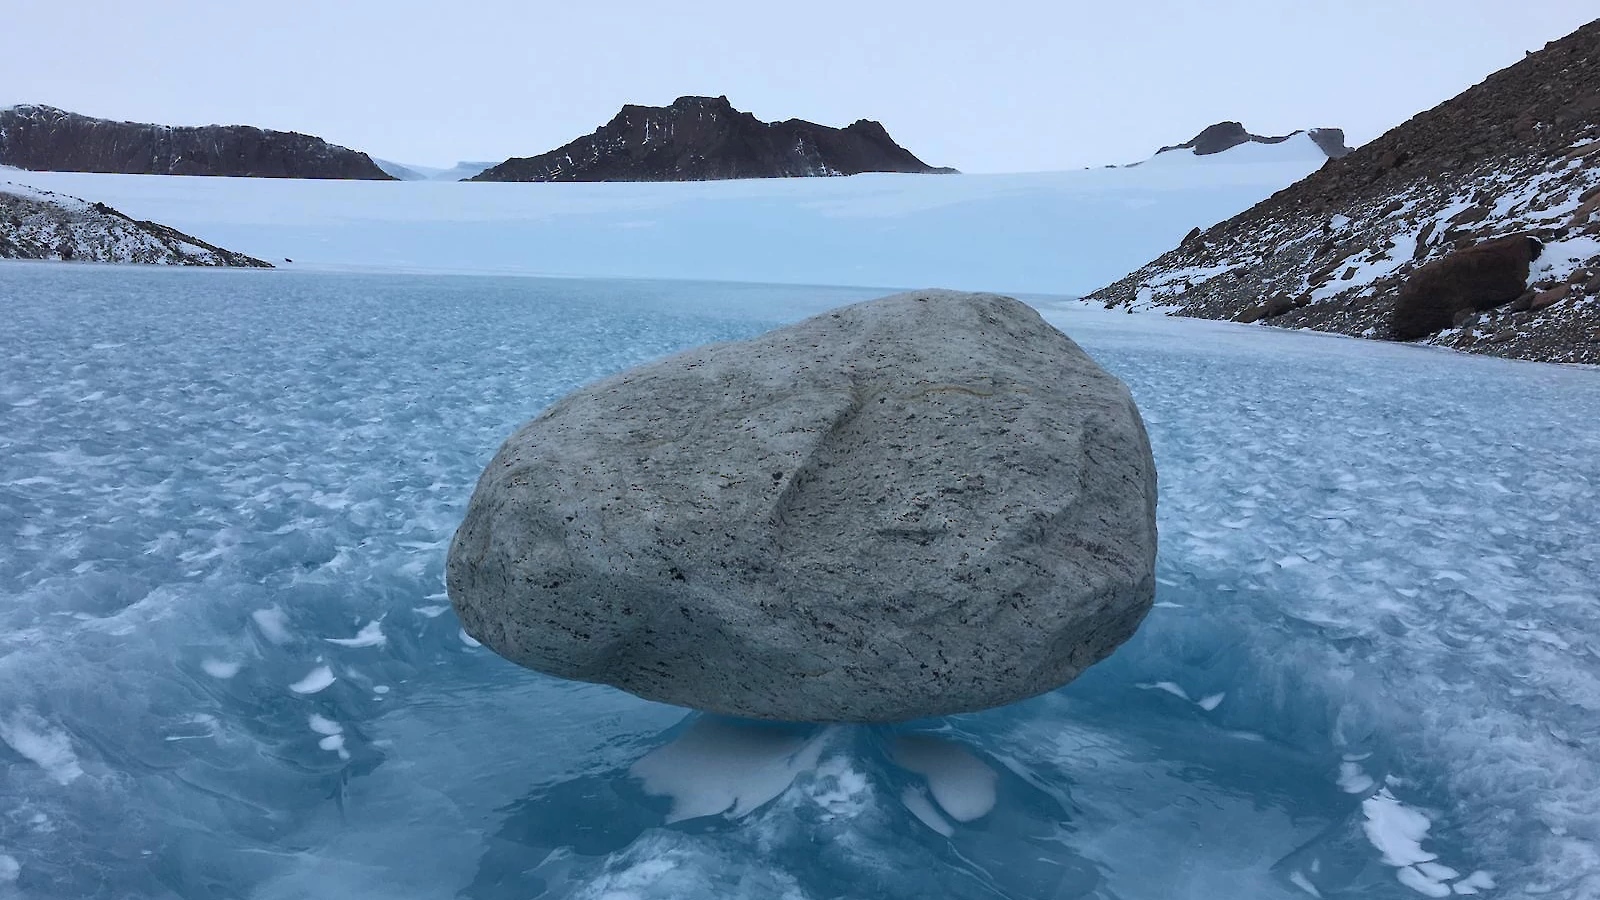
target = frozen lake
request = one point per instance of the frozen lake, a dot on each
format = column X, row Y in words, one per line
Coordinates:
column 228, row 667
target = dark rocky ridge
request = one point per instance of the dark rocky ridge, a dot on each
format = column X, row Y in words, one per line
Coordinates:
column 46, row 139
column 1518, row 153
column 705, row 139
column 1227, row 135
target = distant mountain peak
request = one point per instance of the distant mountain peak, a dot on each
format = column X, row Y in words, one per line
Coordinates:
column 697, row 138
column 46, row 138
column 1227, row 135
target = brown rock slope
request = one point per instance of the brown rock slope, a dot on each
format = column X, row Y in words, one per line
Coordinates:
column 1516, row 154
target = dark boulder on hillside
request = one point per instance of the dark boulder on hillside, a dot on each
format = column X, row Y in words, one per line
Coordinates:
column 1478, row 278
column 46, row 139
column 1227, row 135
column 705, row 139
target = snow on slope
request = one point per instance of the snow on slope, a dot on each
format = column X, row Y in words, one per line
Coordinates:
column 1048, row 232
column 38, row 224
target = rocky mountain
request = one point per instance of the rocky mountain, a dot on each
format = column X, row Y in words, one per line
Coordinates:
column 1390, row 238
column 1227, row 135
column 47, row 139
column 705, row 138
column 37, row 224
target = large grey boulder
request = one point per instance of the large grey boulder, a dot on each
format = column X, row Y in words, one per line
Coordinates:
column 929, row 503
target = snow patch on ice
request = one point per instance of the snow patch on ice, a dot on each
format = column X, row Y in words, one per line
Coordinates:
column 42, row 744
column 1397, row 831
column 218, row 668
column 1353, row 779
column 274, row 624
column 316, row 680
column 370, row 635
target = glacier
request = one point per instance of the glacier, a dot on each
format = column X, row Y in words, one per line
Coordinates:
column 1044, row 232
column 228, row 667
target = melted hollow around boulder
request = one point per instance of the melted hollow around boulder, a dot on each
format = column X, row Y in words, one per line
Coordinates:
column 925, row 504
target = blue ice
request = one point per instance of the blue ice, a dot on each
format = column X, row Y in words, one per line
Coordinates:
column 228, row 667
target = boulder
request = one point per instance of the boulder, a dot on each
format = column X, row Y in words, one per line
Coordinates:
column 1551, row 297
column 1272, row 308
column 1479, row 277
column 925, row 504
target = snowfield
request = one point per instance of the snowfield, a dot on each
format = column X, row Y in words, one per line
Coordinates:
column 228, row 667
column 1048, row 232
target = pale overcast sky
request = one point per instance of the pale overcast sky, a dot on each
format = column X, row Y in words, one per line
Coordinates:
column 985, row 86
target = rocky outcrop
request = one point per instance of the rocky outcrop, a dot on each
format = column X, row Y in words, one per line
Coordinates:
column 1227, row 135
column 1517, row 154
column 925, row 504
column 37, row 224
column 704, row 139
column 46, row 139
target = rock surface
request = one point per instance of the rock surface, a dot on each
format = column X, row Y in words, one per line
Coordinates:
column 925, row 504
column 704, row 139
column 46, row 139
column 1476, row 279
column 37, row 224
column 1227, row 135
column 1517, row 154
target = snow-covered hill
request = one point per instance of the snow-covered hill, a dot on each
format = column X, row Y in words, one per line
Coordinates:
column 1047, row 232
column 37, row 224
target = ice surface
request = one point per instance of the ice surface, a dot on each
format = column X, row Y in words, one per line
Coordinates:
column 1384, row 557
column 1051, row 232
